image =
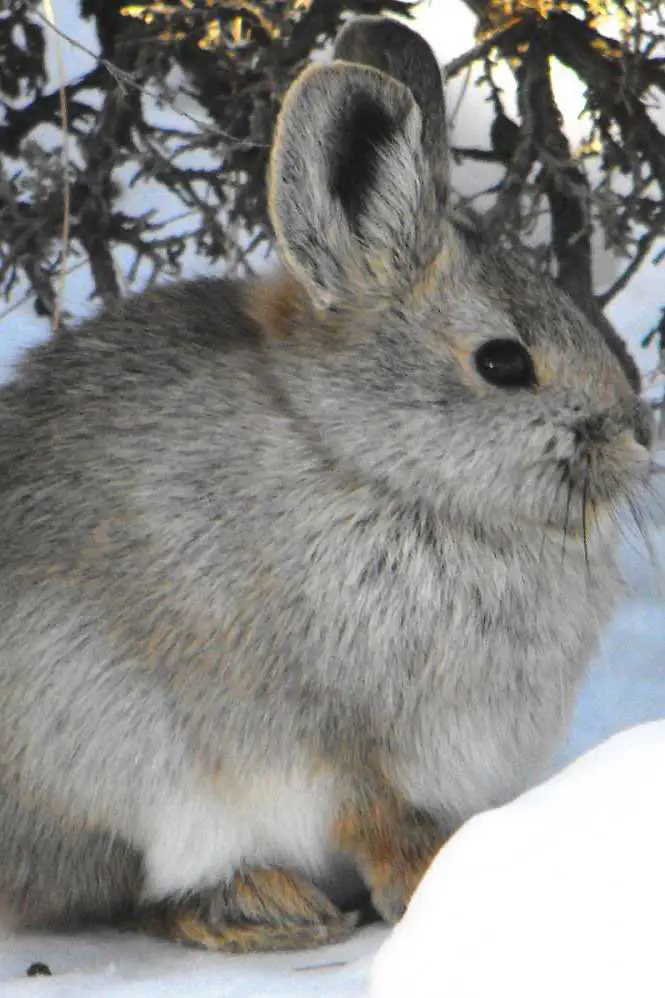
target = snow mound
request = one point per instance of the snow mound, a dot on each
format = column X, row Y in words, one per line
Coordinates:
column 558, row 893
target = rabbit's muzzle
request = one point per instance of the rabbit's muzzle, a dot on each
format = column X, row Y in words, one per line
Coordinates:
column 633, row 417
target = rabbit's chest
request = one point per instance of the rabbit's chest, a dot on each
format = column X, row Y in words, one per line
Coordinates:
column 468, row 664
column 435, row 612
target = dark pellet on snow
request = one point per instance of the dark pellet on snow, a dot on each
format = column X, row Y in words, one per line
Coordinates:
column 39, row 970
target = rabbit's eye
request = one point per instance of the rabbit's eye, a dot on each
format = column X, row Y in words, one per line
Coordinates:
column 505, row 363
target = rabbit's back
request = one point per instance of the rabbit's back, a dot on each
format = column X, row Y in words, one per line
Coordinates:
column 148, row 385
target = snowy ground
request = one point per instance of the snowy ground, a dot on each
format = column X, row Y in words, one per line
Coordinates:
column 112, row 966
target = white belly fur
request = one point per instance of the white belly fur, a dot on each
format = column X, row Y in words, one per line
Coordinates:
column 200, row 836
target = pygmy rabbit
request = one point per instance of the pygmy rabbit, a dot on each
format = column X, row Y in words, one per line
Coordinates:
column 298, row 575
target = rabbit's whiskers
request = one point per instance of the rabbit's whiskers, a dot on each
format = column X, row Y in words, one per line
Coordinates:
column 585, row 506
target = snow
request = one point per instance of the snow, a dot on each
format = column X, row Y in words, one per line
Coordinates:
column 558, row 893
column 108, row 965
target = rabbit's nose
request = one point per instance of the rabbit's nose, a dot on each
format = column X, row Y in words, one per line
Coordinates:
column 643, row 424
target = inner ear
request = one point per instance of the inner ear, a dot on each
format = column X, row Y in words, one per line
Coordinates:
column 352, row 199
column 364, row 130
column 393, row 48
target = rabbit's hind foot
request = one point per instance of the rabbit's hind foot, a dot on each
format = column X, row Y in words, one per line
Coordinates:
column 259, row 910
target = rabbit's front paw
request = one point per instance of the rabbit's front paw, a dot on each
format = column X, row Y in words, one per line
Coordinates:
column 393, row 848
column 259, row 910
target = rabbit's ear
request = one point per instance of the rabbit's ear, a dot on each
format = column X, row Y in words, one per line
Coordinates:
column 393, row 48
column 353, row 199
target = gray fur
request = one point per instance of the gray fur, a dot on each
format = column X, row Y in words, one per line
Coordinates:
column 260, row 556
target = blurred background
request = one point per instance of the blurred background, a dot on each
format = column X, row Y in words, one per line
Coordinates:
column 134, row 139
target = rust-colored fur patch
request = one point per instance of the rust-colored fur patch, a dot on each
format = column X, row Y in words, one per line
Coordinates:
column 393, row 847
column 271, row 894
column 235, row 937
column 277, row 304
column 283, row 310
